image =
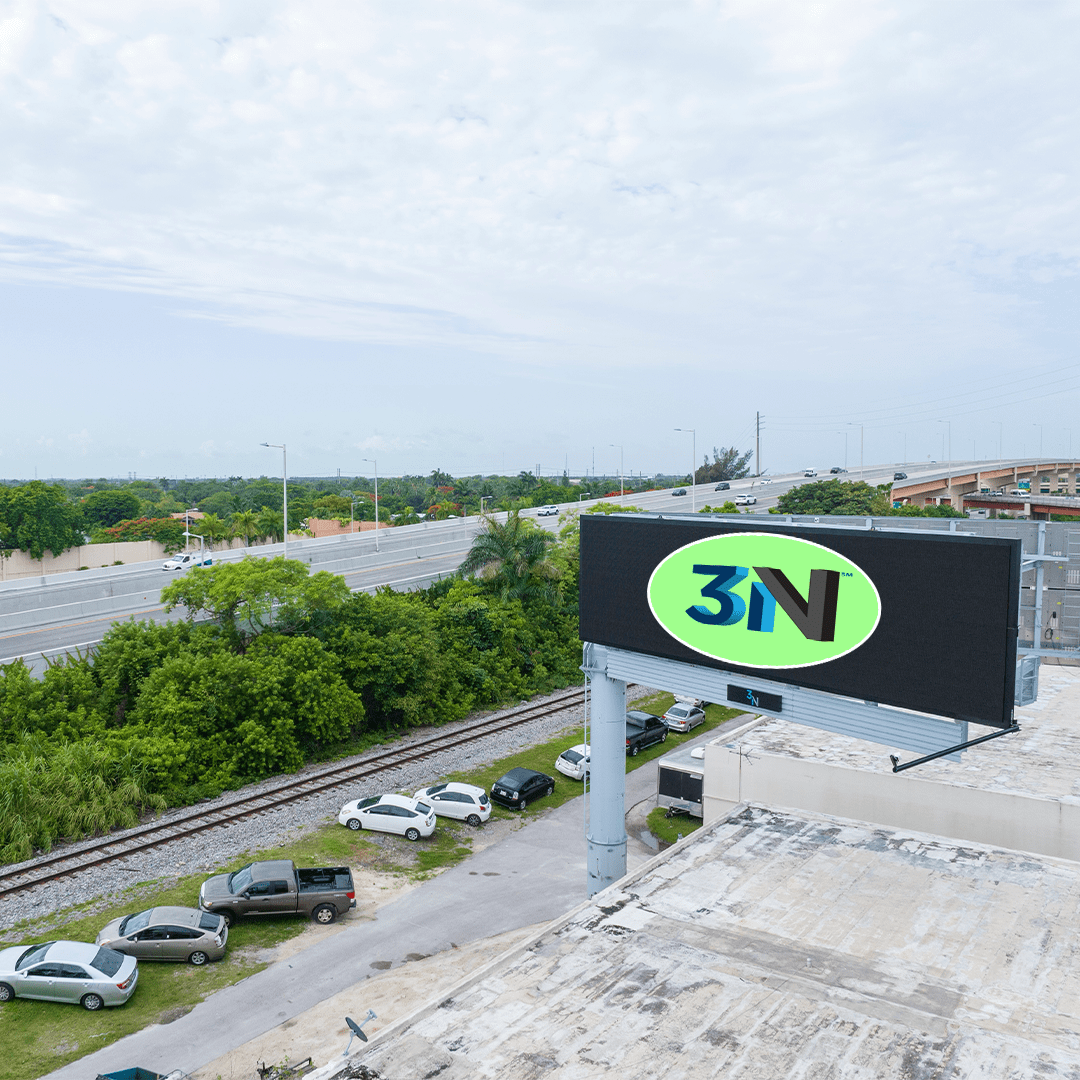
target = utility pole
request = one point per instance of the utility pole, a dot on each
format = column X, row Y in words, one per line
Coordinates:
column 757, row 447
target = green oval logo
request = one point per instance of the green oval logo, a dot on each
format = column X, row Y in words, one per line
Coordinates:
column 764, row 600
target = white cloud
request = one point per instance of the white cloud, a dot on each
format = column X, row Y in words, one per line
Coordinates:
column 861, row 187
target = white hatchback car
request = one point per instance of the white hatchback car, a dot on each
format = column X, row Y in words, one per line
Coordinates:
column 745, row 500
column 574, row 762
column 466, row 802
column 399, row 814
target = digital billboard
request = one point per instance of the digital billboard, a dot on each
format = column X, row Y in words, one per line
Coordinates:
column 919, row 620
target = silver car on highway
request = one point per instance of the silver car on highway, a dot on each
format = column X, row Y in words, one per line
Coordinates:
column 168, row 933
column 75, row 972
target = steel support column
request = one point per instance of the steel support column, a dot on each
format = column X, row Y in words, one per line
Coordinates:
column 606, row 829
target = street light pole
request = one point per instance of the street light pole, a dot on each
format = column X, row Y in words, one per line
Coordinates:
column 376, row 464
column 482, row 498
column 693, row 465
column 622, row 486
column 949, row 423
column 284, row 493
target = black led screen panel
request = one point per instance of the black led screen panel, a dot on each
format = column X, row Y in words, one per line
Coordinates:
column 944, row 640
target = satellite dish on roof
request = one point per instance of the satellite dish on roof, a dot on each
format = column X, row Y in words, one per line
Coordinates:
column 357, row 1029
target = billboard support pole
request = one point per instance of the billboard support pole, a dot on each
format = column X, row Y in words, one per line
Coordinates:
column 606, row 830
column 897, row 767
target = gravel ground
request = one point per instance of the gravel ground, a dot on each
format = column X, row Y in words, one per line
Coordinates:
column 201, row 854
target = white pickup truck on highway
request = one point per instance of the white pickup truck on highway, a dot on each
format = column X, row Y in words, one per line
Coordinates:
column 183, row 559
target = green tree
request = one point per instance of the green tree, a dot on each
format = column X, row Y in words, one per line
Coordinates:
column 727, row 464
column 253, row 595
column 106, row 508
column 211, row 528
column 854, row 498
column 245, row 524
column 270, row 524
column 39, row 517
column 512, row 557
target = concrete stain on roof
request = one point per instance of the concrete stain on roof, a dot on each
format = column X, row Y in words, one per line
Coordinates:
column 784, row 944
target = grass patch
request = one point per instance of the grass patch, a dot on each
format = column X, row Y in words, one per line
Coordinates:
column 670, row 830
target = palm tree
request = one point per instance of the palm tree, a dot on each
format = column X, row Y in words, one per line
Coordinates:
column 512, row 557
column 269, row 523
column 245, row 523
column 213, row 528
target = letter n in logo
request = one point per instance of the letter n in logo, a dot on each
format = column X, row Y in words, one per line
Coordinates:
column 814, row 615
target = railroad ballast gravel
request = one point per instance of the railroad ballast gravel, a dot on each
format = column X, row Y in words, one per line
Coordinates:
column 204, row 852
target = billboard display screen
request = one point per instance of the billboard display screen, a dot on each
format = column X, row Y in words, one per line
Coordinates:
column 918, row 620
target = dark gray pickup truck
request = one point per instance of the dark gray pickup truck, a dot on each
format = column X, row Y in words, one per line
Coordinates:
column 643, row 729
column 277, row 887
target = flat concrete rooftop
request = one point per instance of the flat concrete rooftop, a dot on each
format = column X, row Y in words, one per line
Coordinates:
column 1040, row 761
column 779, row 944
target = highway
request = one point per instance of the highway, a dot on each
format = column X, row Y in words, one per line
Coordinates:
column 43, row 618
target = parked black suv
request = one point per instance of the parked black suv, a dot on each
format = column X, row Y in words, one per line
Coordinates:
column 643, row 730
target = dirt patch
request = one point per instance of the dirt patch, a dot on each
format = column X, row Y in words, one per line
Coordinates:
column 169, row 1015
column 321, row 1032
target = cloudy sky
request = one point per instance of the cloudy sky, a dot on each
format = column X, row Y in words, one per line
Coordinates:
column 482, row 236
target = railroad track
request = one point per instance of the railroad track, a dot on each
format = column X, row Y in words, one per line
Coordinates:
column 195, row 820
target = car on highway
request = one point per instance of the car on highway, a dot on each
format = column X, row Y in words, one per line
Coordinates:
column 765, row 480
column 168, row 933
column 547, row 511
column 183, row 559
column 574, row 762
column 465, row 802
column 519, row 787
column 411, row 818
column 722, row 486
column 642, row 731
column 899, row 475
column 835, row 469
column 74, row 972
column 1019, row 491
column 683, row 717
column 743, row 499
column 809, row 472
column 679, row 491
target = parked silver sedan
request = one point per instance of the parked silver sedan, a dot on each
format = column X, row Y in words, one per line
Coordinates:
column 683, row 717
column 75, row 972
column 168, row 933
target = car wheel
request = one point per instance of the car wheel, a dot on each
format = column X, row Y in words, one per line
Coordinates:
column 473, row 820
column 198, row 958
column 228, row 916
column 6, row 993
column 92, row 1002
column 354, row 824
column 633, row 751
column 550, row 790
column 663, row 738
column 324, row 914
column 412, row 834
column 522, row 803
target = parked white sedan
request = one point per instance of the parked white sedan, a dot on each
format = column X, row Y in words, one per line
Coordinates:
column 399, row 814
column 574, row 762
column 466, row 802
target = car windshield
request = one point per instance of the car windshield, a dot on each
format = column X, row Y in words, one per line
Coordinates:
column 35, row 954
column 208, row 921
column 678, row 710
column 133, row 923
column 436, row 789
column 107, row 961
column 514, row 778
column 423, row 808
column 239, row 881
column 572, row 756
